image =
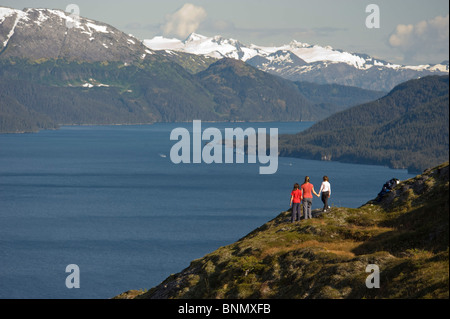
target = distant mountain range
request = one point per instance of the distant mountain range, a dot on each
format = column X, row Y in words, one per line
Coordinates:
column 92, row 73
column 303, row 62
column 408, row 128
column 58, row 70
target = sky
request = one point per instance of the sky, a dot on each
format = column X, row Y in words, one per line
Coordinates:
column 410, row 32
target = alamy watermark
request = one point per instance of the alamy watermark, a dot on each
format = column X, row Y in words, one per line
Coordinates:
column 373, row 19
column 74, row 16
column 373, row 280
column 237, row 142
column 73, row 280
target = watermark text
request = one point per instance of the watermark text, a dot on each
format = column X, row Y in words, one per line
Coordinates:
column 256, row 144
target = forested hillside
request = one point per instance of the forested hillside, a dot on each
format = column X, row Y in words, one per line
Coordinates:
column 332, row 98
column 46, row 93
column 92, row 73
column 408, row 128
column 68, row 92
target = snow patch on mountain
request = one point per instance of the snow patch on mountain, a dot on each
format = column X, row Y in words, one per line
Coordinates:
column 98, row 28
column 161, row 43
column 7, row 12
column 42, row 18
column 219, row 47
column 216, row 47
column 64, row 35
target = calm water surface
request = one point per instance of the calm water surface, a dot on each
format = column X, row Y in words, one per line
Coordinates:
column 108, row 199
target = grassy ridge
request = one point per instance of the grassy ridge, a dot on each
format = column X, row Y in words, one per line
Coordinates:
column 405, row 233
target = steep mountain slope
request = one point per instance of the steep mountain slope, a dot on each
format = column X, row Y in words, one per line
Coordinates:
column 357, row 70
column 408, row 128
column 190, row 62
column 243, row 92
column 53, row 34
column 105, row 93
column 405, row 233
column 299, row 61
column 152, row 90
column 15, row 117
column 55, row 70
column 332, row 98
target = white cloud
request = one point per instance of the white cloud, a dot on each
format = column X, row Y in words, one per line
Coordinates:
column 184, row 21
column 426, row 39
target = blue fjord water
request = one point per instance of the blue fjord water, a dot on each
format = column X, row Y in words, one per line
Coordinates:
column 108, row 199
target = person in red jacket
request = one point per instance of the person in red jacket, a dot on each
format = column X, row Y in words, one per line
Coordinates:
column 307, row 190
column 296, row 198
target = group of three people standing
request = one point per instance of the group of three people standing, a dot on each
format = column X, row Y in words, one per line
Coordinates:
column 303, row 194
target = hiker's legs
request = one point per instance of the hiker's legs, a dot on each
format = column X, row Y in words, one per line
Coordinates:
column 307, row 203
column 310, row 207
column 305, row 208
column 295, row 212
column 325, row 196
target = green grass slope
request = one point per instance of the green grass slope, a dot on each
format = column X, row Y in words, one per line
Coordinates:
column 405, row 233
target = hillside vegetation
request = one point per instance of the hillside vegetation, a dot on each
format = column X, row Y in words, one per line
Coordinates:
column 408, row 128
column 45, row 93
column 54, row 73
column 405, row 233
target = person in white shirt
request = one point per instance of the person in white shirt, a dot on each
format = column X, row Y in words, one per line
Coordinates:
column 325, row 190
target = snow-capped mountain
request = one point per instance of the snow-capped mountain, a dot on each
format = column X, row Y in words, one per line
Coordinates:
column 303, row 61
column 50, row 34
column 53, row 34
column 215, row 47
